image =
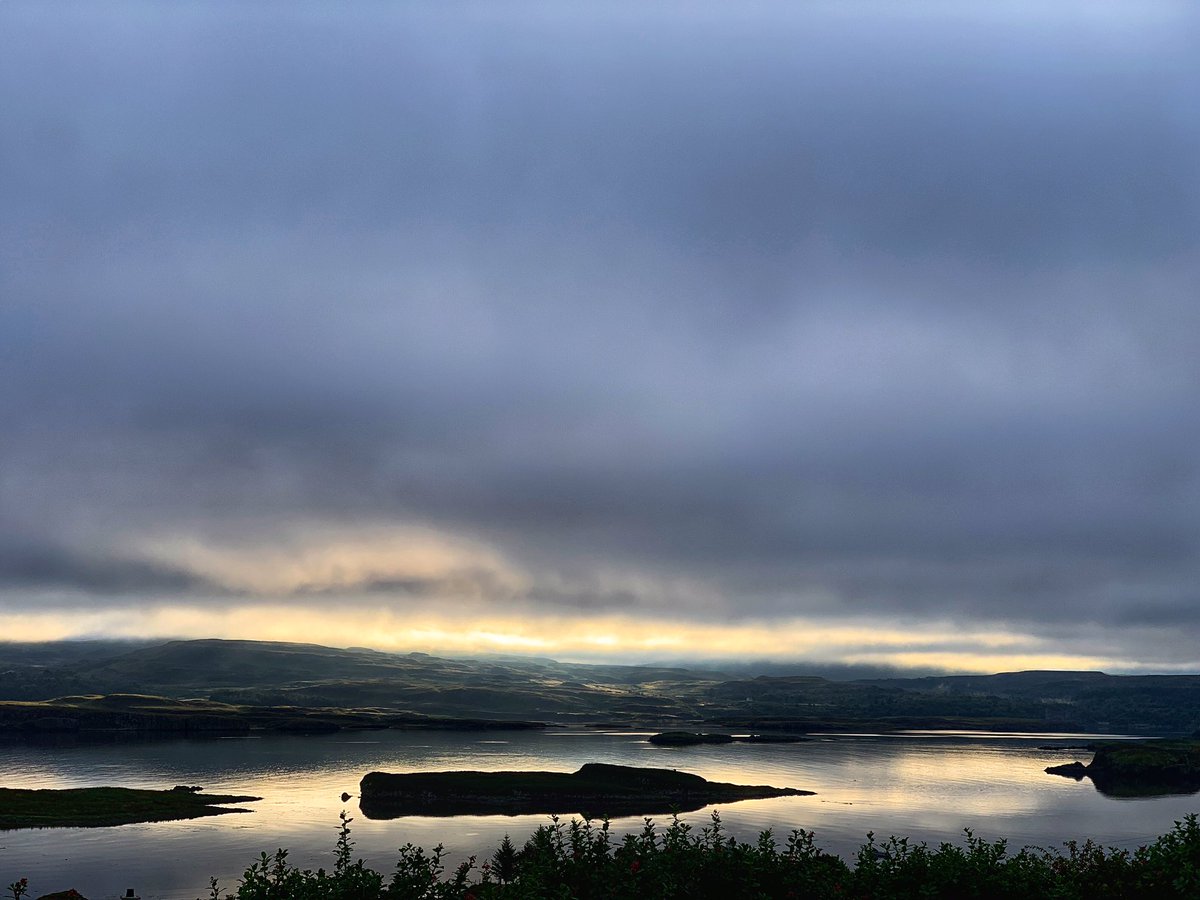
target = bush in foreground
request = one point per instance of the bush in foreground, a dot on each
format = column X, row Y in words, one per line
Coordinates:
column 583, row 860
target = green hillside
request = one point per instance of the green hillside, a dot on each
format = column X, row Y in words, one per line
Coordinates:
column 270, row 674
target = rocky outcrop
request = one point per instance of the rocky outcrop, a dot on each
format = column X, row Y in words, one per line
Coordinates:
column 1140, row 768
column 1074, row 770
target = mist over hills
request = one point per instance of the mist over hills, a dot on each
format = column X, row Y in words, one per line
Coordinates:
column 270, row 673
column 260, row 674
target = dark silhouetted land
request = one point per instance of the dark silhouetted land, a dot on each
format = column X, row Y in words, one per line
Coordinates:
column 306, row 687
column 98, row 806
column 595, row 790
column 1140, row 768
column 118, row 716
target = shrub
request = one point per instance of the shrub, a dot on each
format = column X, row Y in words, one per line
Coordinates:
column 581, row 860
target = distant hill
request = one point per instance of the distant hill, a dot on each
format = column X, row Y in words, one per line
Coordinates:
column 54, row 653
column 274, row 673
column 1093, row 700
column 215, row 664
column 41, row 670
column 263, row 673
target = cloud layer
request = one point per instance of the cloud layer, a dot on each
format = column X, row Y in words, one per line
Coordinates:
column 836, row 314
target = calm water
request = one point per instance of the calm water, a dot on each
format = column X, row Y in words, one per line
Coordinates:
column 928, row 787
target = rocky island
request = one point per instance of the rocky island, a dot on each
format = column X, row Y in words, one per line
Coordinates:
column 594, row 791
column 1140, row 768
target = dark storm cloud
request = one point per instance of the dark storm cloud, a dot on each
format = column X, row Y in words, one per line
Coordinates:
column 837, row 310
column 25, row 566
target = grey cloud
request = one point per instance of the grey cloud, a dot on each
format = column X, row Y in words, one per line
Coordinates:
column 459, row 586
column 27, row 568
column 834, row 311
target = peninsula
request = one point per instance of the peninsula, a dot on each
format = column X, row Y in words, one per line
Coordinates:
column 99, row 806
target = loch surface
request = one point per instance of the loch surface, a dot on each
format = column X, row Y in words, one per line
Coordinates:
column 925, row 786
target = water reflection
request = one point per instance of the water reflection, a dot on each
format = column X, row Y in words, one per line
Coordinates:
column 927, row 786
column 1144, row 790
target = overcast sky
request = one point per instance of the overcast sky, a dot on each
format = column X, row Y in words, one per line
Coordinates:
column 864, row 332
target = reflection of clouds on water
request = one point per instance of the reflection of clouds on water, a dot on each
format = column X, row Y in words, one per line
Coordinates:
column 925, row 787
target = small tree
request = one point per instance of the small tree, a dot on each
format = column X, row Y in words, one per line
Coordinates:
column 504, row 861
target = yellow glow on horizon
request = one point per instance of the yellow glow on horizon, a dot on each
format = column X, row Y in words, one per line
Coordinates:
column 567, row 637
column 988, row 662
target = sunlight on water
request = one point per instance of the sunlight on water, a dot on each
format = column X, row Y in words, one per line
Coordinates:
column 928, row 786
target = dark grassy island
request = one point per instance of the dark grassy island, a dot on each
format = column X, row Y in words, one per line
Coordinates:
column 595, row 790
column 87, row 807
column 1141, row 768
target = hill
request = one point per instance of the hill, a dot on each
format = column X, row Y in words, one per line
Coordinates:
column 1092, row 701
column 262, row 673
column 273, row 674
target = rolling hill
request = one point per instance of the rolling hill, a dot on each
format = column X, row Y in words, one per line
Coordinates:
column 262, row 674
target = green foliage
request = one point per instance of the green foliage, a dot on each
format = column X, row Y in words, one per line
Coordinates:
column 581, row 860
column 504, row 861
column 272, row 877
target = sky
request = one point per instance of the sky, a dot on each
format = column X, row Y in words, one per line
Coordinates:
column 853, row 332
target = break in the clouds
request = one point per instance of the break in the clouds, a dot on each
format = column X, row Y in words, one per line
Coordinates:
column 853, row 331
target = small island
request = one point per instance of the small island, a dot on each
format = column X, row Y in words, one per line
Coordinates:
column 594, row 791
column 1139, row 768
column 688, row 738
column 693, row 738
column 100, row 806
